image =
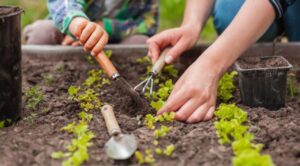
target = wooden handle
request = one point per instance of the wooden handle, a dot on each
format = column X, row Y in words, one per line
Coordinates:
column 110, row 120
column 106, row 64
column 160, row 63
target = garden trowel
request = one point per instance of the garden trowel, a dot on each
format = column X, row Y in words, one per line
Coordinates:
column 119, row 146
column 120, row 82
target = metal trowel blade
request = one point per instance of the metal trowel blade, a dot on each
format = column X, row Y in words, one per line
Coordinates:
column 121, row 147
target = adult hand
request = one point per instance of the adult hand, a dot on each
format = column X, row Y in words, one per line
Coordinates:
column 180, row 39
column 91, row 35
column 194, row 95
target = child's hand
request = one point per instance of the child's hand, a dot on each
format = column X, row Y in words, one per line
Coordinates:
column 70, row 41
column 91, row 35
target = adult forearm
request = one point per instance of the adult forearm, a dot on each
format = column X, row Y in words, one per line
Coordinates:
column 197, row 12
column 251, row 22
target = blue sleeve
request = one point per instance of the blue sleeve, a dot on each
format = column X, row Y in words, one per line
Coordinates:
column 63, row 11
column 280, row 6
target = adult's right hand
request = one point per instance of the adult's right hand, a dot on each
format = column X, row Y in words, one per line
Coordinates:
column 180, row 39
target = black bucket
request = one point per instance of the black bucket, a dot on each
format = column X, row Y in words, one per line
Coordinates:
column 266, row 86
column 10, row 63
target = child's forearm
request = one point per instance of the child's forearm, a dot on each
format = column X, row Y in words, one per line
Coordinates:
column 63, row 12
column 251, row 22
column 197, row 12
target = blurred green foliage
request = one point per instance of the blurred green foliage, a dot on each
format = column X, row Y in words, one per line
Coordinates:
column 171, row 13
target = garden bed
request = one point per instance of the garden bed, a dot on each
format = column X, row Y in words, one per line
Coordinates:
column 32, row 140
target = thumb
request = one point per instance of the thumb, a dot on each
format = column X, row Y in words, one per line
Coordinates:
column 175, row 51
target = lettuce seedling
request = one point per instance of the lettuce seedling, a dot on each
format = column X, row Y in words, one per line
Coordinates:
column 170, row 69
column 33, row 97
column 157, row 105
column 150, row 121
column 251, row 157
column 226, row 86
column 163, row 131
column 147, row 159
column 169, row 150
column 229, row 112
column 228, row 130
column 73, row 91
column 240, row 145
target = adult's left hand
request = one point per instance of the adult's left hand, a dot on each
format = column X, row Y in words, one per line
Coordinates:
column 194, row 95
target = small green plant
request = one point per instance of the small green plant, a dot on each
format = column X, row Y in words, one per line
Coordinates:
column 33, row 97
column 150, row 120
column 77, row 151
column 231, row 129
column 145, row 159
column 87, row 97
column 48, row 78
column 231, row 111
column 31, row 118
column 163, row 131
column 170, row 69
column 226, row 86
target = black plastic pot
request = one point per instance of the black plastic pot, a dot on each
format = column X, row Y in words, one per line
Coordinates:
column 265, row 87
column 10, row 63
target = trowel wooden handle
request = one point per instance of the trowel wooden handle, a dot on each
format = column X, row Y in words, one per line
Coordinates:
column 160, row 63
column 106, row 64
column 110, row 120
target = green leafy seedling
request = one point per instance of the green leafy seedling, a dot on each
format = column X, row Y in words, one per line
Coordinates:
column 31, row 118
column 33, row 97
column 226, row 86
column 163, row 131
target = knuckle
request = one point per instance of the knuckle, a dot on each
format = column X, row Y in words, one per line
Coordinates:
column 180, row 116
column 205, row 96
column 193, row 90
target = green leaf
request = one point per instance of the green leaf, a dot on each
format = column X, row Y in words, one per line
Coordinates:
column 252, row 158
column 169, row 150
column 140, row 158
column 150, row 121
column 163, row 131
column 59, row 155
column 226, row 86
column 170, row 69
column 73, row 91
column 157, row 105
column 231, row 111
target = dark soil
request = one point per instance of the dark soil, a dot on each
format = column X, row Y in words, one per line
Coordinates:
column 32, row 142
column 257, row 62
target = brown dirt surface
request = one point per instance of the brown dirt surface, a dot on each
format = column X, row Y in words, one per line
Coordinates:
column 32, row 142
column 257, row 62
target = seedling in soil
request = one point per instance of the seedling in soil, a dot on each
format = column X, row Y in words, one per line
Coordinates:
column 33, row 97
column 48, row 78
column 147, row 159
column 226, row 86
column 78, row 149
column 163, row 131
column 230, row 129
column 31, row 118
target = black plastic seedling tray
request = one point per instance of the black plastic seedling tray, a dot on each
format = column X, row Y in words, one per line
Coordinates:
column 265, row 86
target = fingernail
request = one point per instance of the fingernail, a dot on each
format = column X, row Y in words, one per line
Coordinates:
column 169, row 59
column 93, row 53
column 64, row 43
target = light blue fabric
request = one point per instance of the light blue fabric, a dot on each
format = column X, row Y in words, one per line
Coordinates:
column 225, row 10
